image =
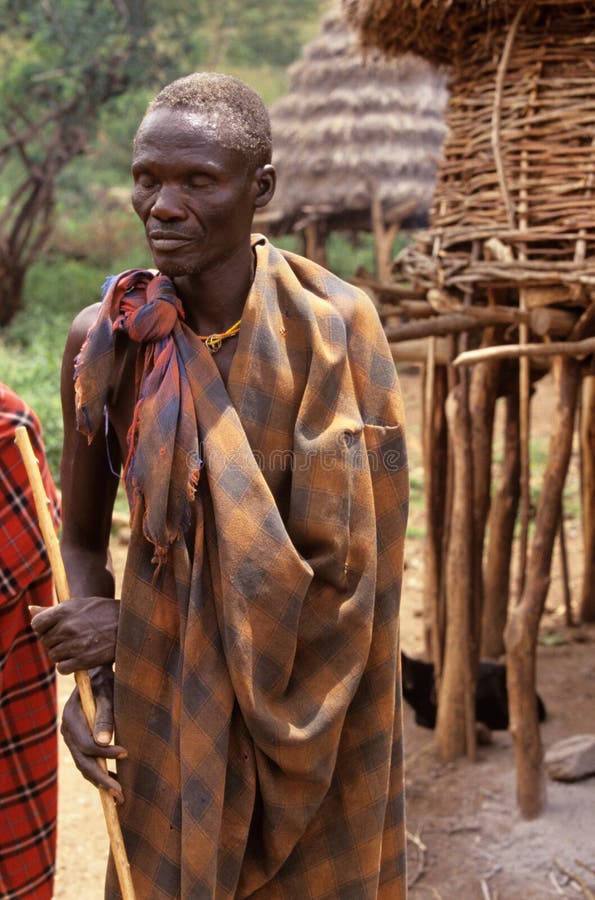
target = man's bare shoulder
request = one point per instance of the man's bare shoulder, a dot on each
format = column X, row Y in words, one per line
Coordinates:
column 78, row 330
column 83, row 321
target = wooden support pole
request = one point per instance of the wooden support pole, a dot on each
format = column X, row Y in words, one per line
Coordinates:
column 452, row 736
column 314, row 245
column 523, row 624
column 482, row 404
column 587, row 453
column 503, row 513
column 565, row 572
column 434, row 447
column 384, row 234
column 524, row 437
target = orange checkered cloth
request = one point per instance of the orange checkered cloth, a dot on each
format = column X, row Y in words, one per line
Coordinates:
column 257, row 669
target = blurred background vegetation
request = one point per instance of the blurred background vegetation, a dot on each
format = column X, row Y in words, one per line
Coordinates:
column 76, row 79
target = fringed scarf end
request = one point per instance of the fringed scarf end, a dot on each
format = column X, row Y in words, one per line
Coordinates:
column 193, row 479
column 159, row 559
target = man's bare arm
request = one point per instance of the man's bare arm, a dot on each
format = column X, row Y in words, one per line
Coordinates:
column 82, row 633
column 88, row 485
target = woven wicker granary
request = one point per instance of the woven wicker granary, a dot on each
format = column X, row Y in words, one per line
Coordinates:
column 519, row 158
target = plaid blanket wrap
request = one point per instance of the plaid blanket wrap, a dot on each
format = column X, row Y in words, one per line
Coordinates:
column 257, row 683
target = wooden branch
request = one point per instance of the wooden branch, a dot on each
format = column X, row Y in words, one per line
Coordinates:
column 417, row 351
column 443, row 302
column 538, row 296
column 545, row 320
column 387, row 287
column 410, row 309
column 452, row 323
column 497, row 114
column 579, row 349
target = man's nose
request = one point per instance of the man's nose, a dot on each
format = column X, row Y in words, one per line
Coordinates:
column 167, row 204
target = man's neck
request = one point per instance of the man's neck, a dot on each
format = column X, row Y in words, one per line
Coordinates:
column 214, row 299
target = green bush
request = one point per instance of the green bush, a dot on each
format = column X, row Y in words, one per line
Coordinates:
column 31, row 347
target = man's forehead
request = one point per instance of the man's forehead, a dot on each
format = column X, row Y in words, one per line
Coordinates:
column 186, row 123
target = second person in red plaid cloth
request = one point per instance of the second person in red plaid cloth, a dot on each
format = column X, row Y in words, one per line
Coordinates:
column 28, row 702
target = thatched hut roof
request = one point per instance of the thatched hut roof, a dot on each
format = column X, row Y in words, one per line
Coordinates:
column 439, row 30
column 348, row 119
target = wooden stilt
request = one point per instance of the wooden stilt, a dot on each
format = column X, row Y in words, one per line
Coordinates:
column 314, row 245
column 384, row 235
column 523, row 624
column 503, row 513
column 587, row 450
column 455, row 725
column 482, row 403
column 435, row 474
column 565, row 572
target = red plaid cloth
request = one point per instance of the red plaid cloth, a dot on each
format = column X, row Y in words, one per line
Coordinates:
column 28, row 709
column 257, row 683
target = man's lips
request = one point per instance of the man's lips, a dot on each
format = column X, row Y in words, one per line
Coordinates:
column 167, row 240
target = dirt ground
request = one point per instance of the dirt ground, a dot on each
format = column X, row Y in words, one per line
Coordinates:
column 466, row 839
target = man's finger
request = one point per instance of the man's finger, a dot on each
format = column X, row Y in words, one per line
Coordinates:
column 90, row 770
column 67, row 666
column 104, row 721
column 38, row 620
column 33, row 610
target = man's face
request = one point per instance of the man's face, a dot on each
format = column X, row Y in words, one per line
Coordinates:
column 195, row 197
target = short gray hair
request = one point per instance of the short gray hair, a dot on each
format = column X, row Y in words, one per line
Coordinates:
column 239, row 114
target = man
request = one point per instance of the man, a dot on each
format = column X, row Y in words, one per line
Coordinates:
column 28, row 709
column 253, row 398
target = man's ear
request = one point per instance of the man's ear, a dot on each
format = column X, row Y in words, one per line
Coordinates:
column 265, row 180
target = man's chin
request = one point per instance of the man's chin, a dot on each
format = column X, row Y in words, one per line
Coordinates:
column 172, row 268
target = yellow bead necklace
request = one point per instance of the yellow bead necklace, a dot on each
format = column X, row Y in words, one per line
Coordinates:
column 214, row 341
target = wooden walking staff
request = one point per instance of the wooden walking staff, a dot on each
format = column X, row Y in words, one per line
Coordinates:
column 82, row 678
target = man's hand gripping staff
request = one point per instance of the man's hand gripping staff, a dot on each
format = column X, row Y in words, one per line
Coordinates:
column 82, row 677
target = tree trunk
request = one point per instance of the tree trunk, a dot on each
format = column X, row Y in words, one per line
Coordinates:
column 587, row 603
column 455, row 725
column 522, row 629
column 502, row 519
column 12, row 280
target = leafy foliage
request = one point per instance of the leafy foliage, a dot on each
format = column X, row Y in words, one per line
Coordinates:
column 243, row 32
column 31, row 349
column 60, row 62
column 63, row 61
column 77, row 76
